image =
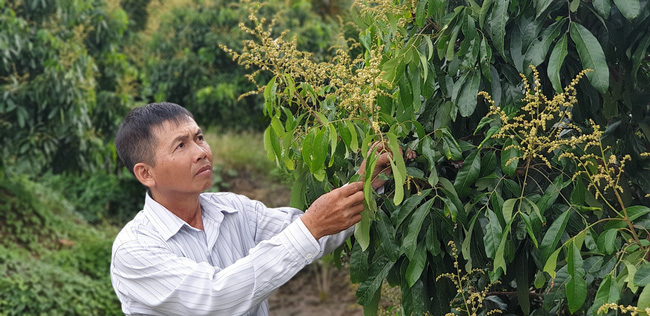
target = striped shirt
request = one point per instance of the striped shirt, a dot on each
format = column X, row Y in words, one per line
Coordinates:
column 163, row 266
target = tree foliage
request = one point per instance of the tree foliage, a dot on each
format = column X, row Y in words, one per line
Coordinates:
column 62, row 80
column 541, row 181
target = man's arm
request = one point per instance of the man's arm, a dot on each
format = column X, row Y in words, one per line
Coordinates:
column 151, row 279
column 330, row 219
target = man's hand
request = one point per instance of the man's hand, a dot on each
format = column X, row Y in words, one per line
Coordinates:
column 383, row 163
column 335, row 211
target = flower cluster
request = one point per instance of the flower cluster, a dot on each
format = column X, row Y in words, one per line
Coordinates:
column 473, row 302
column 543, row 125
column 624, row 309
column 352, row 85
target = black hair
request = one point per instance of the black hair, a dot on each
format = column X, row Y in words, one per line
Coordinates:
column 134, row 140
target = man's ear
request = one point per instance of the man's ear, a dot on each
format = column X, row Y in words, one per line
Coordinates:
column 143, row 173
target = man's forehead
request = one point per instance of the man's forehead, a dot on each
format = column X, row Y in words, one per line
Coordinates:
column 173, row 128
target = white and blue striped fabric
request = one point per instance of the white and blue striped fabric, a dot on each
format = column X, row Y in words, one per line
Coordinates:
column 163, row 266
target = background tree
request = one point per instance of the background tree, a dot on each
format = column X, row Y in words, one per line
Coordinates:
column 63, row 84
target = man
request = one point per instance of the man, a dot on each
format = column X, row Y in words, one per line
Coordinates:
column 194, row 253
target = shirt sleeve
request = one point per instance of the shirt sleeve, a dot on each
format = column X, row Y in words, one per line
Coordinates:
column 147, row 272
column 270, row 221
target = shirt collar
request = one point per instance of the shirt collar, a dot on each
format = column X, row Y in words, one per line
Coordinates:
column 168, row 224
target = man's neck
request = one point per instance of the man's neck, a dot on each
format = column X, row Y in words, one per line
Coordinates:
column 187, row 207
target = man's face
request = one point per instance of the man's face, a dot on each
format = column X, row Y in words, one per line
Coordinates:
column 183, row 159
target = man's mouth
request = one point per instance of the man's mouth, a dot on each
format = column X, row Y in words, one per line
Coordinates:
column 204, row 170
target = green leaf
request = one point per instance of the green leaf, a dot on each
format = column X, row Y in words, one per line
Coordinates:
column 630, row 9
column 538, row 50
column 420, row 13
column 269, row 96
column 486, row 58
column 275, row 144
column 333, row 142
column 354, row 142
column 277, row 127
column 451, row 53
column 358, row 264
column 553, row 235
column 319, row 151
column 450, row 146
column 540, row 280
column 508, row 207
column 298, row 192
column 497, row 25
column 399, row 182
column 467, row 242
column 592, row 56
column 529, row 228
column 644, row 298
column 377, row 273
column 603, row 7
column 488, row 136
column 408, row 206
column 534, row 208
column 410, row 241
column 555, row 63
column 606, row 241
column 488, row 164
column 551, row 263
column 578, row 194
column 308, row 146
column 416, row 266
column 541, row 6
column 642, row 276
column 398, row 166
column 608, row 291
column 639, row 56
column 370, row 203
column 362, row 230
column 371, row 308
column 270, row 153
column 467, row 98
column 573, row 6
column 485, row 7
column 521, row 277
column 493, row 234
column 631, row 272
column 414, row 298
column 499, row 256
column 432, row 242
column 636, row 211
column 425, row 71
column 387, row 235
column 510, row 155
column 576, row 288
column 468, row 174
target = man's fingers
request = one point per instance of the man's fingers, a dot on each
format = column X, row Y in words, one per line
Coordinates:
column 355, row 219
column 351, row 188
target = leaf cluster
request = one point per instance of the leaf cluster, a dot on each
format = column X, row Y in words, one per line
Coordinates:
column 521, row 192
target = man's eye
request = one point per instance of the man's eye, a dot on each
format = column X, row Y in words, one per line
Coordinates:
column 200, row 137
column 181, row 145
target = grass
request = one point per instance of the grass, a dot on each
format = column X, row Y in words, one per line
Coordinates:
column 241, row 151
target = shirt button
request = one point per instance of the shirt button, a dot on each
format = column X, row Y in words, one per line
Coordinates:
column 309, row 256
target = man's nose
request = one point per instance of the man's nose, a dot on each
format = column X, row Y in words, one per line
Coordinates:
column 200, row 152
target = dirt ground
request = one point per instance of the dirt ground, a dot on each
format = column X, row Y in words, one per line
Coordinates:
column 300, row 296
